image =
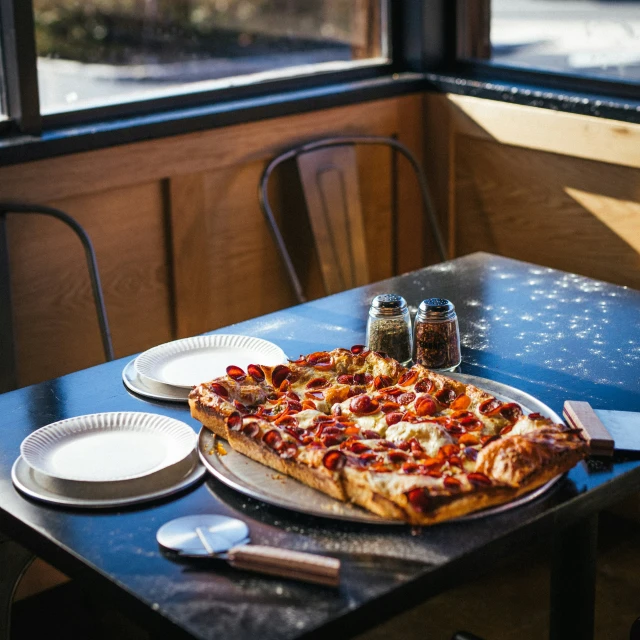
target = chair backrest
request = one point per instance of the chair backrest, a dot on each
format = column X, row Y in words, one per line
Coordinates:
column 8, row 373
column 329, row 178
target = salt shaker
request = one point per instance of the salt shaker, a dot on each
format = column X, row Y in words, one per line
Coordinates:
column 389, row 327
column 437, row 336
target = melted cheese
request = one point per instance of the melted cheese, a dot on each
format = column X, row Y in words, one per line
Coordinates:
column 430, row 435
column 305, row 418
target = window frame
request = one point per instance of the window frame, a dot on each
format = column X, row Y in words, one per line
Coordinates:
column 426, row 41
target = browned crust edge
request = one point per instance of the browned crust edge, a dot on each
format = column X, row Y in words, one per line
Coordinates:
column 317, row 478
column 211, row 419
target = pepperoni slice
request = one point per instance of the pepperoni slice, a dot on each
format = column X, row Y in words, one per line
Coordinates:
column 251, row 429
column 393, row 418
column 370, row 434
column 331, row 440
column 445, row 396
column 388, row 407
column 409, row 467
column 489, row 407
column 424, row 386
column 461, row 402
column 279, row 375
column 234, row 421
column 469, row 439
column 472, row 424
column 415, row 446
column 453, row 428
column 358, row 447
column 431, row 463
column 241, row 408
column 362, row 378
column 535, row 416
column 448, row 450
column 418, row 499
column 295, row 432
column 309, row 404
column 218, row 389
column 380, row 382
column 406, row 398
column 236, row 373
column 425, row 406
column 452, row 483
column 334, row 460
column 505, row 430
column 345, row 378
column 286, row 420
column 455, row 461
column 397, row 456
column 407, row 378
column 362, row 405
column 358, row 349
column 479, row 479
column 272, row 439
column 256, row 372
column 314, row 395
column 511, row 412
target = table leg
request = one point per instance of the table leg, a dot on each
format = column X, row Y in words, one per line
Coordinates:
column 573, row 581
column 14, row 561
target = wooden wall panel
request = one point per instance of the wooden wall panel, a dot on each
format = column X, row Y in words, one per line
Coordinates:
column 181, row 242
column 54, row 315
column 561, row 190
column 541, row 219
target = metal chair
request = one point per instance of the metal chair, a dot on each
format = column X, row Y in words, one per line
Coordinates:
column 329, row 179
column 8, row 376
column 15, row 559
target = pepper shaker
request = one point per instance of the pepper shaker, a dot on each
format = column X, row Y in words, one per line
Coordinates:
column 437, row 335
column 389, row 327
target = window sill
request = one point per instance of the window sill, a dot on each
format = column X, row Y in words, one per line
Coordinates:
column 73, row 139
column 589, row 104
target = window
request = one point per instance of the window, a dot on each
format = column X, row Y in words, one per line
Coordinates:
column 99, row 52
column 3, row 90
column 593, row 38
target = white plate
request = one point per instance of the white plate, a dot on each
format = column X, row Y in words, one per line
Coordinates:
column 188, row 362
column 108, row 447
column 149, row 389
column 102, row 496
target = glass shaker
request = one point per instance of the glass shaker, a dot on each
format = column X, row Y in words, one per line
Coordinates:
column 389, row 327
column 436, row 335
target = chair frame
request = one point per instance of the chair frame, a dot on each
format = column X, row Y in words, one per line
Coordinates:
column 338, row 142
column 8, row 374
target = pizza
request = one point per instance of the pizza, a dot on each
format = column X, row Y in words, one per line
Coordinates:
column 407, row 444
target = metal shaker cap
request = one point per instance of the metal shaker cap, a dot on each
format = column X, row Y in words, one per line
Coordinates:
column 436, row 309
column 388, row 304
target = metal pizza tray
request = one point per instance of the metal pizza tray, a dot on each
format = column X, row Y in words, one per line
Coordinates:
column 258, row 481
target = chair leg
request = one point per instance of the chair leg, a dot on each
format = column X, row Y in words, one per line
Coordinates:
column 14, row 561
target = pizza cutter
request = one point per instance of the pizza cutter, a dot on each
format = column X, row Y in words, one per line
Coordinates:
column 224, row 538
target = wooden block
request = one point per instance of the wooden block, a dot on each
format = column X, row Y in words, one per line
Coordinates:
column 581, row 416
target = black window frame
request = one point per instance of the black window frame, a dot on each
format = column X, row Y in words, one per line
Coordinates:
column 427, row 41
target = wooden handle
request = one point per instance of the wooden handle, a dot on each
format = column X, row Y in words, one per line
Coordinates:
column 581, row 416
column 274, row 561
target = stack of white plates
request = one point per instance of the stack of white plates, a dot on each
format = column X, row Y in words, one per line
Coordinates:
column 169, row 371
column 108, row 459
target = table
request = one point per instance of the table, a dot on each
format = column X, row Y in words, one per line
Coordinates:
column 555, row 335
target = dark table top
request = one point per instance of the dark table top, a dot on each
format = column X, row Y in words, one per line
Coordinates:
column 554, row 335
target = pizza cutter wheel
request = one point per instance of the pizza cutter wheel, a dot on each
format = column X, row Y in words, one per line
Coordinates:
column 213, row 536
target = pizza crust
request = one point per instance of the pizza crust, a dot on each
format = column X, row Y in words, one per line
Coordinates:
column 513, row 465
column 319, row 478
